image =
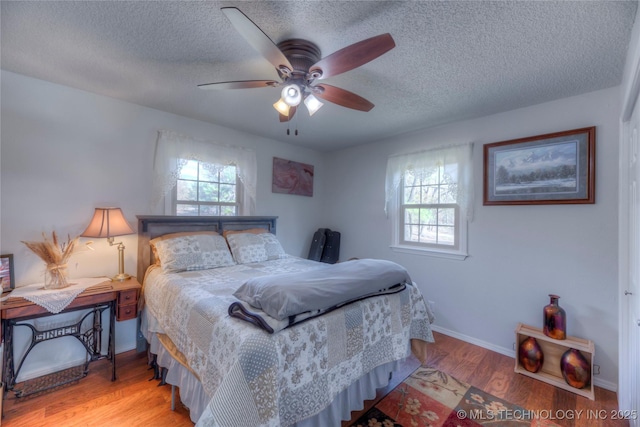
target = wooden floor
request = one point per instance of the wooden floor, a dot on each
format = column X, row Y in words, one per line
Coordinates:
column 133, row 400
column 494, row 373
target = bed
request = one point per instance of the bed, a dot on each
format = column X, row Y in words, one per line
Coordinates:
column 232, row 372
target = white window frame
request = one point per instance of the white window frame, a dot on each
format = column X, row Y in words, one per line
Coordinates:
column 463, row 206
column 439, row 251
column 171, row 147
column 237, row 204
column 456, row 225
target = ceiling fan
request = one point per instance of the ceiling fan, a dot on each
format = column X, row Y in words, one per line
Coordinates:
column 300, row 67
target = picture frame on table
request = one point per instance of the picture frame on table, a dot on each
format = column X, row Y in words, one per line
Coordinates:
column 7, row 279
column 554, row 168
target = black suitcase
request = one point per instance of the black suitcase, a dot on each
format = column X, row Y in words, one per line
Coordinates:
column 317, row 245
column 331, row 252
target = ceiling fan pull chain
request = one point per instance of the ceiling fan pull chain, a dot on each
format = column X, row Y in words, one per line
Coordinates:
column 288, row 124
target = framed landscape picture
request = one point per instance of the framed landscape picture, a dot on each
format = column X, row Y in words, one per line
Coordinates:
column 6, row 272
column 556, row 168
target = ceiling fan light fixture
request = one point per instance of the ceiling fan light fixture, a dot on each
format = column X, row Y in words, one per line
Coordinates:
column 292, row 95
column 299, row 64
column 313, row 104
column 282, row 107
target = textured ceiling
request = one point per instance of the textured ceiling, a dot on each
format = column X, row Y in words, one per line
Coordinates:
column 452, row 60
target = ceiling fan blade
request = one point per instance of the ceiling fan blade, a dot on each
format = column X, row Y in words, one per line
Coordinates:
column 352, row 56
column 241, row 84
column 257, row 38
column 342, row 97
column 292, row 112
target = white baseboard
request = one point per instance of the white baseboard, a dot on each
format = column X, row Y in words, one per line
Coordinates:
column 26, row 375
column 124, row 348
column 471, row 340
column 607, row 385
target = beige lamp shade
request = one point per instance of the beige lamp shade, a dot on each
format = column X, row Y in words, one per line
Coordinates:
column 107, row 222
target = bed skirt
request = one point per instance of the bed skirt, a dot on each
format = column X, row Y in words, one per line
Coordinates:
column 194, row 397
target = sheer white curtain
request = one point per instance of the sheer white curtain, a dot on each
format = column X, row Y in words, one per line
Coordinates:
column 457, row 161
column 172, row 152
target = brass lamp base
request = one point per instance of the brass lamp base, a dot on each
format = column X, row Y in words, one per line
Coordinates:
column 120, row 277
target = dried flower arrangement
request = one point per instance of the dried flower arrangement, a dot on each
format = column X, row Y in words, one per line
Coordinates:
column 55, row 255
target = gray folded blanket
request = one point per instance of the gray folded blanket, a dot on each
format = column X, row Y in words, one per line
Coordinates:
column 289, row 298
column 242, row 310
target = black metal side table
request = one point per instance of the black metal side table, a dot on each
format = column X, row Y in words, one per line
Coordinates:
column 118, row 299
column 88, row 330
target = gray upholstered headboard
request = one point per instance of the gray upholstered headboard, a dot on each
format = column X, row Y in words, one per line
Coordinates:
column 152, row 226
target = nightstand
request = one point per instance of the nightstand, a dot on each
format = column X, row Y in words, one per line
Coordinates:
column 119, row 299
column 127, row 307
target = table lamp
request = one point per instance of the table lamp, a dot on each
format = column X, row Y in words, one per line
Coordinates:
column 109, row 223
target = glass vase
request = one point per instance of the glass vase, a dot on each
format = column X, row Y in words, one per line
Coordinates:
column 555, row 325
column 575, row 368
column 55, row 276
column 530, row 355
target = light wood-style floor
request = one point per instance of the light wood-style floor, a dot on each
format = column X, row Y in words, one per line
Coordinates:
column 133, row 400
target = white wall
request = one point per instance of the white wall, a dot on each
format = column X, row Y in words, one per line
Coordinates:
column 66, row 151
column 518, row 254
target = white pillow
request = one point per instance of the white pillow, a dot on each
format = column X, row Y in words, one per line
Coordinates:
column 272, row 246
column 187, row 252
column 249, row 247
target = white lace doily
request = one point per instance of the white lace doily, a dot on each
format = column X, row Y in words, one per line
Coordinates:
column 54, row 300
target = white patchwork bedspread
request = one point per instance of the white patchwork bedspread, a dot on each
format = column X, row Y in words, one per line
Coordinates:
column 261, row 379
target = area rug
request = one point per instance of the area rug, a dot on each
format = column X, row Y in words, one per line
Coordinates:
column 431, row 398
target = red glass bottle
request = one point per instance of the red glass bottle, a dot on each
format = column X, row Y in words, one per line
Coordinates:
column 555, row 324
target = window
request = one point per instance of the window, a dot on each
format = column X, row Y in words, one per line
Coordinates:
column 429, row 199
column 206, row 189
column 196, row 177
column 429, row 214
